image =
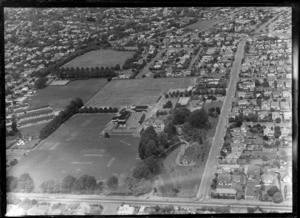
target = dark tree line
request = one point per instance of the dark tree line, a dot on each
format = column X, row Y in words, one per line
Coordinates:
column 54, row 66
column 71, row 72
column 98, row 110
column 62, row 117
column 24, row 183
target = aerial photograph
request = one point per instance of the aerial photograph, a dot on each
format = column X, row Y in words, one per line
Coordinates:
column 142, row 111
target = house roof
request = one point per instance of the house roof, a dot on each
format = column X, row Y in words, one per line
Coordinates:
column 225, row 191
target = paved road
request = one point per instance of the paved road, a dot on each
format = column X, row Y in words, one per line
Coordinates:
column 267, row 23
column 221, row 127
column 148, row 65
column 144, row 201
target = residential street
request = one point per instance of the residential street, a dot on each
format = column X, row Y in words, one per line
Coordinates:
column 148, row 65
column 183, row 202
column 220, row 131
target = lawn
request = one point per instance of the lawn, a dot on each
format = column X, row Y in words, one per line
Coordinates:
column 202, row 24
column 76, row 148
column 119, row 93
column 60, row 96
column 100, row 58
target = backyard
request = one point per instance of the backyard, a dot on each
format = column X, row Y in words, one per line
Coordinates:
column 76, row 148
column 100, row 58
column 58, row 97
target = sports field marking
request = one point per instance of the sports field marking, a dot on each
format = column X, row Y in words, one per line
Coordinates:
column 110, row 162
column 54, row 146
column 71, row 137
column 46, row 146
column 126, row 143
column 93, row 155
column 93, row 151
column 75, row 162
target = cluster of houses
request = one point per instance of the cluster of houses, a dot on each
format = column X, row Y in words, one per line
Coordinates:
column 43, row 208
column 256, row 157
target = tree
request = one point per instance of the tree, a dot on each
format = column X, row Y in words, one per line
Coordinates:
column 277, row 197
column 25, row 183
column 198, row 118
column 272, row 190
column 85, row 183
column 106, row 135
column 181, row 115
column 153, row 165
column 218, row 110
column 163, row 139
column 68, row 183
column 141, row 171
column 257, row 83
column 40, row 83
column 265, row 84
column 112, row 182
column 14, row 127
column 117, row 67
column 150, row 149
column 170, row 129
column 168, row 104
column 277, row 120
column 11, row 183
column 266, row 138
column 50, row 186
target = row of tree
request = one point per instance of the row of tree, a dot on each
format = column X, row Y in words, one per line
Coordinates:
column 62, row 117
column 98, row 110
column 198, row 118
column 85, row 184
column 54, row 66
column 86, row 72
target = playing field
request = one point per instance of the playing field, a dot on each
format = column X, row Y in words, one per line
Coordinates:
column 100, row 58
column 135, row 92
column 76, row 148
column 60, row 96
column 203, row 24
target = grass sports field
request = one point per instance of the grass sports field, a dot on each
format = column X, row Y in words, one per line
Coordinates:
column 77, row 149
column 60, row 96
column 100, row 58
column 202, row 24
column 135, row 92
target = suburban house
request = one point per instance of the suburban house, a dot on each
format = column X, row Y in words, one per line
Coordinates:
column 267, row 178
column 226, row 192
column 224, row 180
column 287, row 116
column 158, row 124
column 253, row 172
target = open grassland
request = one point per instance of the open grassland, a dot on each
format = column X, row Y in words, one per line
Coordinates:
column 59, row 97
column 202, row 24
column 119, row 93
column 76, row 148
column 100, row 58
